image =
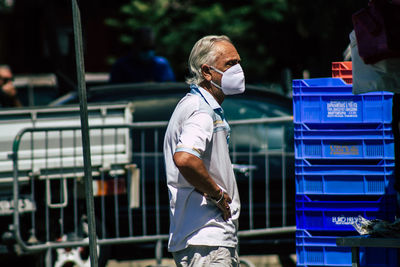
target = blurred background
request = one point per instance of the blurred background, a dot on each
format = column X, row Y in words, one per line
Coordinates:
column 277, row 39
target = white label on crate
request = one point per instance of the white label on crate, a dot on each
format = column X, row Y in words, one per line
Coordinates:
column 341, row 109
column 341, row 220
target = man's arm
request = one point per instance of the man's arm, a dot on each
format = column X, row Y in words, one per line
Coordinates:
column 194, row 171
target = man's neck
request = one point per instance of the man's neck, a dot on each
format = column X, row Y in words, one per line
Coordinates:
column 215, row 92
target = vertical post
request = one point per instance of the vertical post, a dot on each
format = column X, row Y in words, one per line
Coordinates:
column 158, row 252
column 267, row 189
column 283, row 178
column 355, row 256
column 251, row 198
column 80, row 69
column 48, row 258
column 157, row 184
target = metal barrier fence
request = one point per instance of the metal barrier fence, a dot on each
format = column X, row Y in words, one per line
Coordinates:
column 131, row 198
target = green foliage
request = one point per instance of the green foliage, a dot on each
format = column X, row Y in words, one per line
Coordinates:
column 178, row 24
column 270, row 35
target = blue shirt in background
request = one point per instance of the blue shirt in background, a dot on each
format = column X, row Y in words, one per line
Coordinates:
column 131, row 69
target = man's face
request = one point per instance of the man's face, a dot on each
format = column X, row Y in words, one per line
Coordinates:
column 6, row 76
column 6, row 84
column 226, row 57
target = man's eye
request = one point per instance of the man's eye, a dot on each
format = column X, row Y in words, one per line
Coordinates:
column 233, row 62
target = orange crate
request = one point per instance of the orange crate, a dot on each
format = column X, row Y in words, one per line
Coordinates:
column 343, row 70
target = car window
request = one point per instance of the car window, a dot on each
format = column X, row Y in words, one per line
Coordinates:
column 258, row 137
column 160, row 108
column 242, row 108
column 154, row 108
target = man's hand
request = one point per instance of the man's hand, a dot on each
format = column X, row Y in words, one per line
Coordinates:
column 223, row 205
column 194, row 171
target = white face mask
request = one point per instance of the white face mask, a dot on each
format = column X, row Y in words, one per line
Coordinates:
column 232, row 81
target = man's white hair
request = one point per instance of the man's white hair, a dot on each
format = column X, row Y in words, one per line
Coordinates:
column 203, row 52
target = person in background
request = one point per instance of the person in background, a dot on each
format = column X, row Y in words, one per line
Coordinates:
column 8, row 92
column 204, row 198
column 141, row 64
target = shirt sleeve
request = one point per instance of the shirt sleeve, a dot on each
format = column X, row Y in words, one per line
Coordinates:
column 196, row 133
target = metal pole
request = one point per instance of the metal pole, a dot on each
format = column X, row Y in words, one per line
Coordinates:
column 80, row 69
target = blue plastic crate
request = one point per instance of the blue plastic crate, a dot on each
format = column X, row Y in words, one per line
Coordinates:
column 322, row 251
column 344, row 167
column 330, row 100
column 345, row 184
column 318, row 131
column 344, row 148
column 321, row 86
column 325, row 213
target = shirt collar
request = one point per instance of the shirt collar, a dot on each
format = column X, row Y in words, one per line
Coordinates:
column 207, row 96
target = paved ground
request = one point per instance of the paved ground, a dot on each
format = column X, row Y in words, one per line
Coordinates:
column 258, row 261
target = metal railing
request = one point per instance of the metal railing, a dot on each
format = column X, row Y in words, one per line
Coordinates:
column 131, row 198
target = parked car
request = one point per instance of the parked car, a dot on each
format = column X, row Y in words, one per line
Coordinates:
column 153, row 102
column 41, row 89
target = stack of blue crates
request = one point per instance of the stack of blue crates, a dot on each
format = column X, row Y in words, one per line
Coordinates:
column 344, row 168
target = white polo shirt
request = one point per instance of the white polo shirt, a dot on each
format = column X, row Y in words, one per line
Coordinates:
column 198, row 126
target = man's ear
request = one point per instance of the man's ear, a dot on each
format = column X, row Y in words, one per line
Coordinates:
column 205, row 71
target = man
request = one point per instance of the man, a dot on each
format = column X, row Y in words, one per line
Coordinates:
column 8, row 93
column 204, row 199
column 142, row 65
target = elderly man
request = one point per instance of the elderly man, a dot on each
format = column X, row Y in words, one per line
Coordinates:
column 204, row 199
column 8, row 93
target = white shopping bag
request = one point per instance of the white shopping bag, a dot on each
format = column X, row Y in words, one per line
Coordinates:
column 381, row 76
